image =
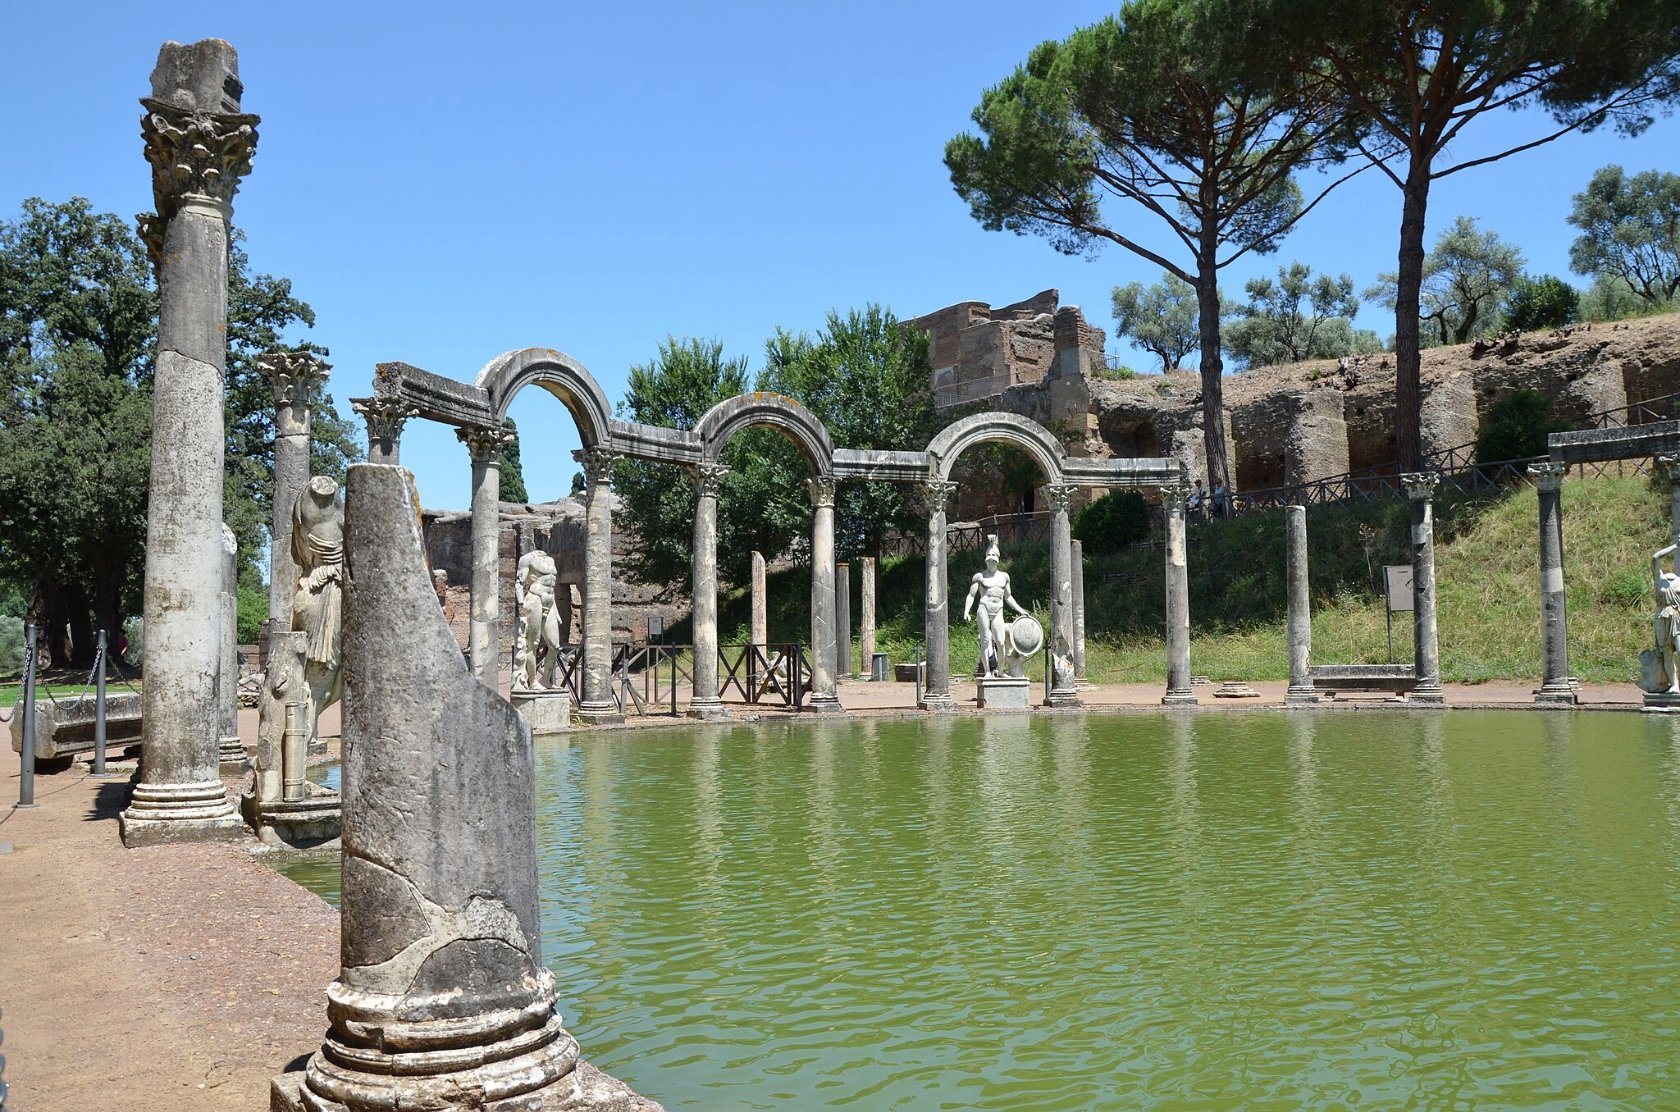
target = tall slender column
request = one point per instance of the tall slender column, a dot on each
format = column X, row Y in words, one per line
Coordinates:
column 1426, row 646
column 229, row 749
column 1062, row 692
column 294, row 376
column 1078, row 571
column 1555, row 688
column 384, row 418
column 843, row 620
column 1300, row 603
column 936, row 620
column 597, row 704
column 866, row 615
column 760, row 621
column 484, row 445
column 704, row 703
column 1670, row 467
column 200, row 146
column 824, row 700
column 1179, row 692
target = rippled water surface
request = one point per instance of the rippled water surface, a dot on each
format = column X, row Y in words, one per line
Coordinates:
column 1212, row 910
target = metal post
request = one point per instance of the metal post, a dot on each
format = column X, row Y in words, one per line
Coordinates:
column 99, row 710
column 26, row 763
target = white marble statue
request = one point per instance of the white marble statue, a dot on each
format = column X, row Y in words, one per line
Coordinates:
column 318, row 603
column 535, row 589
column 1660, row 669
column 991, row 589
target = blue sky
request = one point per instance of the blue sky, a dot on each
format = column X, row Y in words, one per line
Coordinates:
column 447, row 182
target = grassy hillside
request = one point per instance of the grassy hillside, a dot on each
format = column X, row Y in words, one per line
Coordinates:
column 1487, row 577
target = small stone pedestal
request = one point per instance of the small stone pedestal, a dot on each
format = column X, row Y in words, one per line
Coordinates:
column 1661, row 702
column 548, row 712
column 314, row 820
column 1002, row 693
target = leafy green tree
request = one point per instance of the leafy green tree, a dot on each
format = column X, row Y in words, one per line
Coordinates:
column 1630, row 228
column 1466, row 277
column 1297, row 317
column 1141, row 109
column 1421, row 71
column 1516, row 427
column 1608, row 298
column 1161, row 319
column 512, row 474
column 1543, row 302
column 1110, row 523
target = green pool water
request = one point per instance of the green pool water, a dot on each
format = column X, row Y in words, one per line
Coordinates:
column 1202, row 910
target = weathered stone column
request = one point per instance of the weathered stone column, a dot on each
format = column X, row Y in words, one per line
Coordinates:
column 1426, row 646
column 1300, row 603
column 598, row 704
column 760, row 622
column 1174, row 498
column 200, row 146
column 1555, row 688
column 842, row 620
column 936, row 620
column 1077, row 568
column 485, row 446
column 866, row 615
column 1062, row 692
column 294, row 376
column 384, row 418
column 230, row 751
column 1670, row 467
column 704, row 703
column 442, row 1000
column 824, row 700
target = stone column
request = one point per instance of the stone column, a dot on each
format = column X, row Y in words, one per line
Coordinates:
column 1078, row 569
column 384, row 418
column 484, row 445
column 200, row 146
column 1555, row 688
column 1670, row 467
column 294, row 376
column 1062, row 692
column 704, row 703
column 598, row 704
column 936, row 620
column 1300, row 603
column 824, row 700
column 1426, row 647
column 1179, row 693
column 866, row 615
column 230, row 751
column 760, row 622
column 843, row 620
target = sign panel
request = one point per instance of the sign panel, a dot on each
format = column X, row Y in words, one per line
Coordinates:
column 1397, row 578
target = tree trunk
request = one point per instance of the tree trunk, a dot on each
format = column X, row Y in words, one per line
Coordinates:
column 50, row 614
column 81, row 625
column 1213, row 377
column 1408, row 356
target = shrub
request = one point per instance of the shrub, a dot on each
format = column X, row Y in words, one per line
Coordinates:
column 253, row 612
column 1544, row 302
column 1113, row 521
column 1516, row 427
column 11, row 645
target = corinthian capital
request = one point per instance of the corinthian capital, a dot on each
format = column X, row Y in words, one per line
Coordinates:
column 294, row 375
column 1548, row 476
column 384, row 416
column 196, row 154
column 706, row 477
column 485, row 442
column 1060, row 495
column 598, row 464
column 1175, row 497
column 934, row 494
column 1420, row 485
column 821, row 491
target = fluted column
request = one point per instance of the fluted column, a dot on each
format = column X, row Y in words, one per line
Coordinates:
column 384, row 418
column 1426, row 646
column 1299, row 604
column 936, row 621
column 484, row 445
column 200, row 146
column 704, row 703
column 1555, row 688
column 824, row 699
column 1179, row 692
column 597, row 704
column 1077, row 569
column 1062, row 692
column 294, row 377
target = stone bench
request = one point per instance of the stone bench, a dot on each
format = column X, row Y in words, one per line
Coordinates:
column 65, row 728
column 1331, row 678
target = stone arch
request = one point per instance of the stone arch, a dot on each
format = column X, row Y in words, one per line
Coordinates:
column 1007, row 428
column 777, row 411
column 559, row 374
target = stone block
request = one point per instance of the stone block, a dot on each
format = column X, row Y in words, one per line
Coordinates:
column 65, row 728
column 547, row 712
column 1003, row 693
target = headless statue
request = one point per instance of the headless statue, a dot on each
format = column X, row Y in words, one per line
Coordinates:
column 1660, row 673
column 536, row 592
column 318, row 604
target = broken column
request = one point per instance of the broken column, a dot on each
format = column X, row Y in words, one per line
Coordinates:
column 384, row 418
column 294, row 377
column 936, row 613
column 1555, row 688
column 442, row 1001
column 1299, row 603
column 704, row 702
column 843, row 620
column 1426, row 650
column 1062, row 692
column 1174, row 499
column 597, row 704
column 760, row 622
column 200, row 146
column 866, row 615
column 230, row 751
column 484, row 445
column 1078, row 570
column 824, row 699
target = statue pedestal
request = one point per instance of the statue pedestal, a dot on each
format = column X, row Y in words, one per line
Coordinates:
column 548, row 712
column 1002, row 693
column 1661, row 702
column 305, row 823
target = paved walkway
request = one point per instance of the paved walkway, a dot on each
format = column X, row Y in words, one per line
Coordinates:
column 185, row 977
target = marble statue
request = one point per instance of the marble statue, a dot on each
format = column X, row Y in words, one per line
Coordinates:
column 991, row 589
column 536, row 592
column 318, row 603
column 1660, row 668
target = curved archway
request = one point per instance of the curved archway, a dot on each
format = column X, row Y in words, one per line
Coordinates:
column 1007, row 428
column 560, row 375
column 777, row 411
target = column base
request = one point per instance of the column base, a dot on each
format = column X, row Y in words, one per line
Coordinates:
column 1427, row 696
column 1063, row 697
column 1179, row 699
column 599, row 714
column 305, row 823
column 827, row 704
column 1300, row 695
column 585, row 1089
column 708, row 710
column 231, row 755
column 938, row 704
column 1662, row 702
column 161, row 814
column 1557, row 695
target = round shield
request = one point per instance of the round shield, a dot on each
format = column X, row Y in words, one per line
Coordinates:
column 1026, row 635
